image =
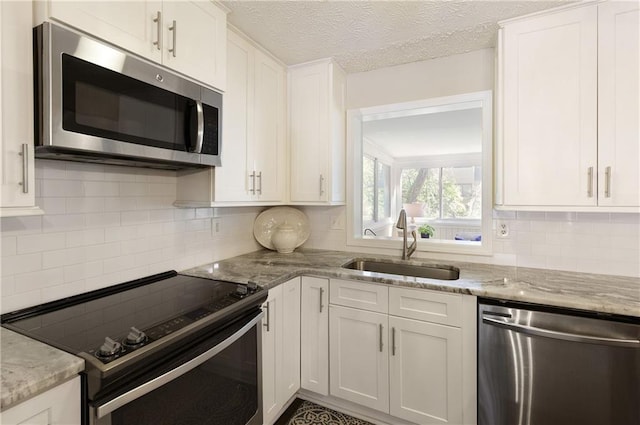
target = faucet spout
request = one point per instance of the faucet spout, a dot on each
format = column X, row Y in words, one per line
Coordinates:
column 402, row 224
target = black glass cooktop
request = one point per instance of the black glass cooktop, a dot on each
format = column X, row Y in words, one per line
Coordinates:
column 131, row 315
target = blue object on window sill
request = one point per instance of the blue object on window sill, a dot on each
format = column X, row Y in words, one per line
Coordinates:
column 475, row 237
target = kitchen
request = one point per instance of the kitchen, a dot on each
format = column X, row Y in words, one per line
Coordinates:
column 104, row 224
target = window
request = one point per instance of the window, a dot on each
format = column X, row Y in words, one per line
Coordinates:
column 445, row 192
column 376, row 185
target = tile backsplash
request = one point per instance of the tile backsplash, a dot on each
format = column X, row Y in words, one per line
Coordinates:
column 105, row 225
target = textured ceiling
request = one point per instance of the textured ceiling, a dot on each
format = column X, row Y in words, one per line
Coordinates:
column 366, row 35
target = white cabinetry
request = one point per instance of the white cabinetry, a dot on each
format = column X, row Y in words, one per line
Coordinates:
column 406, row 352
column 16, row 110
column 57, row 406
column 253, row 135
column 314, row 324
column 187, row 36
column 280, row 348
column 568, row 109
column 317, row 132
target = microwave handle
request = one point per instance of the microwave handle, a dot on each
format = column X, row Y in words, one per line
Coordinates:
column 197, row 148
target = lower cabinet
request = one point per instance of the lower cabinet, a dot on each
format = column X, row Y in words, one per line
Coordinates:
column 280, row 348
column 314, row 338
column 58, row 406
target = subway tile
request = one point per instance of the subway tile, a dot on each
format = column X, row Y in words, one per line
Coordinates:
column 85, row 205
column 560, row 216
column 57, row 292
column 133, row 189
column 161, row 215
column 83, row 271
column 162, row 190
column 62, row 188
column 117, row 264
column 21, row 225
column 7, row 286
column 204, row 212
column 592, row 217
column 64, row 223
column 21, row 264
column 124, row 233
column 63, row 257
column 530, row 215
column 120, row 204
column 39, row 279
column 37, row 243
column 20, row 300
column 134, row 217
column 184, row 214
column 85, row 171
column 109, row 219
column 85, row 237
column 101, row 188
column 52, row 206
column 106, row 250
column 51, row 170
column 9, row 246
column 631, row 218
column 155, row 203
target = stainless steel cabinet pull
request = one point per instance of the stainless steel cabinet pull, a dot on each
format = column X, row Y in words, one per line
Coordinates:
column 24, row 153
column 548, row 333
column 590, row 182
column 607, row 182
column 173, row 28
column 252, row 176
column 393, row 341
column 260, row 183
column 267, row 322
column 380, row 329
column 321, row 295
column 321, row 185
column 158, row 21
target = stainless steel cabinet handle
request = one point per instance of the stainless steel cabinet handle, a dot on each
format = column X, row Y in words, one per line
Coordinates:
column 321, row 185
column 110, row 406
column 158, row 21
column 532, row 330
column 260, row 183
column 393, row 341
column 607, row 182
column 590, row 182
column 266, row 323
column 380, row 332
column 24, row 153
column 173, row 28
column 321, row 295
column 252, row 176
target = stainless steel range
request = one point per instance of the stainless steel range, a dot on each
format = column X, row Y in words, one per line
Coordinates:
column 166, row 349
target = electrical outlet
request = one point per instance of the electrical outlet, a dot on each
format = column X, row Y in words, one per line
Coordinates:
column 216, row 227
column 503, row 230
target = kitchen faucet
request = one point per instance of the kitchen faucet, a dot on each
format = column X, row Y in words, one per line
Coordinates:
column 402, row 224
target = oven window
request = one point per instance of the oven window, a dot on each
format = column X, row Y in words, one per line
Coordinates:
column 223, row 390
column 99, row 102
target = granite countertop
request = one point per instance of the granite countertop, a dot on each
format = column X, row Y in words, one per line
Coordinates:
column 582, row 291
column 29, row 367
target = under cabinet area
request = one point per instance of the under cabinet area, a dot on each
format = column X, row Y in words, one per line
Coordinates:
column 187, row 36
column 317, row 93
column 253, row 154
column 568, row 109
column 280, row 348
column 57, row 406
column 406, row 352
column 16, row 111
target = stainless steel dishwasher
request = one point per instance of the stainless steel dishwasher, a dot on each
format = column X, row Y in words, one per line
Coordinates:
column 546, row 366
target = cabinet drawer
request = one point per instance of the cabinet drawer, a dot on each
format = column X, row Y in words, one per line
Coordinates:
column 359, row 295
column 430, row 306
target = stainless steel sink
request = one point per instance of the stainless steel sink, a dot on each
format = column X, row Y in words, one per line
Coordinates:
column 429, row 272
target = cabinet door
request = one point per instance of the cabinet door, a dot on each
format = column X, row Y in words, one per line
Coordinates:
column 549, row 70
column 309, row 122
column 129, row 25
column 618, row 111
column 289, row 377
column 16, row 110
column 197, row 45
column 359, row 366
column 232, row 181
column 271, row 360
column 268, row 141
column 314, row 347
column 426, row 372
column 57, row 406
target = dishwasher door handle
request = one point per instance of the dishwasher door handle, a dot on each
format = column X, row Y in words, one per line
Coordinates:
column 532, row 330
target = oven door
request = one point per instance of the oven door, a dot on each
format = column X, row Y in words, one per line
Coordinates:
column 216, row 382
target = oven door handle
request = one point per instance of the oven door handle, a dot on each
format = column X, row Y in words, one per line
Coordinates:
column 110, row 406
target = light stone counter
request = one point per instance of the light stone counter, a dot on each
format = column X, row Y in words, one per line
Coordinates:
column 582, row 291
column 29, row 367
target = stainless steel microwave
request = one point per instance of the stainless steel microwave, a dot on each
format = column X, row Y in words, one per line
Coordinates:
column 97, row 103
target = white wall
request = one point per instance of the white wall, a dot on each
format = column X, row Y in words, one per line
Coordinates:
column 106, row 225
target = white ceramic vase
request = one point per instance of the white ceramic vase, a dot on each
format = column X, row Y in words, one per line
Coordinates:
column 285, row 238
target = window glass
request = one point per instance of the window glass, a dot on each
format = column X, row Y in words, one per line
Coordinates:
column 368, row 188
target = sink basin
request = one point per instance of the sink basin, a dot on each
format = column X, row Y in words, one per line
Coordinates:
column 429, row 272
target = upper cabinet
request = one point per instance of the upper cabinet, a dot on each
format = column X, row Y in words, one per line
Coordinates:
column 16, row 111
column 568, row 109
column 253, row 156
column 317, row 133
column 189, row 36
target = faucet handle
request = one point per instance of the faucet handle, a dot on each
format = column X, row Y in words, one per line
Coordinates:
column 412, row 248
